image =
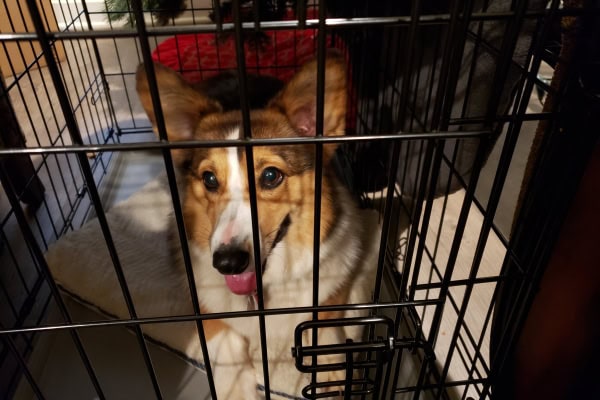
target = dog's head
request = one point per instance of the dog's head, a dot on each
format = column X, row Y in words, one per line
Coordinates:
column 216, row 205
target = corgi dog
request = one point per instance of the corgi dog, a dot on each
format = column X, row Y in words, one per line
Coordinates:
column 217, row 216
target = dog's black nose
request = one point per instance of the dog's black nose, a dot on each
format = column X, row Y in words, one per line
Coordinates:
column 230, row 260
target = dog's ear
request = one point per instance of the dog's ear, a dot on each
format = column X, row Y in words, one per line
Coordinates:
column 298, row 99
column 182, row 106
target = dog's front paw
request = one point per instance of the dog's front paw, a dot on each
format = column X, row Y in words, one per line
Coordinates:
column 233, row 373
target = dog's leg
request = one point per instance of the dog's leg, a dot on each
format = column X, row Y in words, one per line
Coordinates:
column 232, row 369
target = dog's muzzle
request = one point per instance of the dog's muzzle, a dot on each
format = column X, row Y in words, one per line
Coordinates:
column 231, row 260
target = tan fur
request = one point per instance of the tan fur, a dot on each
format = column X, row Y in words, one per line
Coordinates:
column 182, row 108
column 213, row 327
column 295, row 196
column 293, row 99
column 202, row 207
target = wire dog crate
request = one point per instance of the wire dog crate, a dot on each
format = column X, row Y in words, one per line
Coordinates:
column 445, row 101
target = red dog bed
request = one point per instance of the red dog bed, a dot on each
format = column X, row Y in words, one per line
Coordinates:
column 200, row 56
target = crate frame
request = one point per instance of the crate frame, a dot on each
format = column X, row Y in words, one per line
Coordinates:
column 442, row 128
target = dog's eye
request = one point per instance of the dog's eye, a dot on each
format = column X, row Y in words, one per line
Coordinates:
column 210, row 181
column 270, row 178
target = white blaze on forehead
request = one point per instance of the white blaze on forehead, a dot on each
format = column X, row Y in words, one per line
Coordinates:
column 234, row 181
column 234, row 225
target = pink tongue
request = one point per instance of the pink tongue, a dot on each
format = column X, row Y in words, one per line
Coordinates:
column 244, row 283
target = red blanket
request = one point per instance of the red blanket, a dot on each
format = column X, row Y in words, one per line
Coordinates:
column 200, row 56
